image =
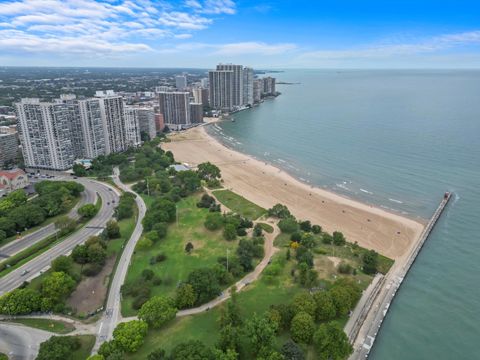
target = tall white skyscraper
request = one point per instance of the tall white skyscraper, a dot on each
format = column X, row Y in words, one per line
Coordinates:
column 175, row 108
column 132, row 127
column 221, row 89
column 181, row 82
column 248, row 77
column 45, row 134
column 113, row 118
column 237, row 82
column 92, row 128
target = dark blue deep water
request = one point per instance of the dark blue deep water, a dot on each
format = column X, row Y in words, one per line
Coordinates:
column 397, row 139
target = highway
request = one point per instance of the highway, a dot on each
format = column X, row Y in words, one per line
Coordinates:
column 112, row 315
column 87, row 197
column 40, row 263
column 21, row 342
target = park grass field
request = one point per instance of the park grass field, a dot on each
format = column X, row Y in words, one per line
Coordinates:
column 239, row 204
column 272, row 288
column 208, row 246
column 55, row 326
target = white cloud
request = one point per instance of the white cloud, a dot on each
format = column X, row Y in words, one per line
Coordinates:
column 106, row 25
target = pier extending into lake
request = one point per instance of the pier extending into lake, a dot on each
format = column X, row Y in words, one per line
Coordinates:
column 365, row 322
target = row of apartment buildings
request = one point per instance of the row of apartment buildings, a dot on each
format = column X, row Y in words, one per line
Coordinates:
column 54, row 134
column 232, row 87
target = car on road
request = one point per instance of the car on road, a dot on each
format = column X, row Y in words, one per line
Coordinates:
column 25, row 272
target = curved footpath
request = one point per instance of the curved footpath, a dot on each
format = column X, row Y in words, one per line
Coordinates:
column 42, row 262
column 88, row 196
column 112, row 316
column 21, row 342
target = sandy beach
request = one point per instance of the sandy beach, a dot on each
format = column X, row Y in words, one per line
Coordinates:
column 388, row 233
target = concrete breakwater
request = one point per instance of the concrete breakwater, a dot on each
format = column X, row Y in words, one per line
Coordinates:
column 362, row 330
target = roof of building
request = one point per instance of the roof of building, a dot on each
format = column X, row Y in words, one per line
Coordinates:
column 180, row 167
column 12, row 174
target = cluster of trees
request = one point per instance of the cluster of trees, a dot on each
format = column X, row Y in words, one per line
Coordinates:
column 54, row 290
column 125, row 207
column 92, row 255
column 308, row 320
column 54, row 198
column 58, row 348
column 128, row 337
column 233, row 224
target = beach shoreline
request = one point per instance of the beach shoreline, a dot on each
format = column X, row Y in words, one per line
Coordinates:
column 385, row 231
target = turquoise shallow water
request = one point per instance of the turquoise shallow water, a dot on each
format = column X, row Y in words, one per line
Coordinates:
column 397, row 139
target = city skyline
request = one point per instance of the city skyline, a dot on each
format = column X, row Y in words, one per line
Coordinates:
column 264, row 34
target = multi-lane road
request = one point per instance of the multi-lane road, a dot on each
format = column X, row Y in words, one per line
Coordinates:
column 34, row 267
column 88, row 196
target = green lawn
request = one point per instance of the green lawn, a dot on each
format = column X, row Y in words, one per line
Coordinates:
column 266, row 227
column 208, row 246
column 87, row 342
column 239, row 204
column 59, row 327
column 256, row 298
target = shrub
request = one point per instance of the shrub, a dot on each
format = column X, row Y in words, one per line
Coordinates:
column 288, row 225
column 91, row 269
column 144, row 244
column 344, row 268
column 213, row 221
column 316, row 229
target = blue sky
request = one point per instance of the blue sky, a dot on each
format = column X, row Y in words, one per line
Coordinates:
column 274, row 34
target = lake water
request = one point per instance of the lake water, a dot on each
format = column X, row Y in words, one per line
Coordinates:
column 397, row 139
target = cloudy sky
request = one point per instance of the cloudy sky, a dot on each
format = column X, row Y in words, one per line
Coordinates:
column 282, row 34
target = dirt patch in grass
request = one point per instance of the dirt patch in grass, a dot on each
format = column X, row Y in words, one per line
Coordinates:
column 91, row 292
column 335, row 260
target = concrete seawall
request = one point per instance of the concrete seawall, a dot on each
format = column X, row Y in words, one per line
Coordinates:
column 363, row 329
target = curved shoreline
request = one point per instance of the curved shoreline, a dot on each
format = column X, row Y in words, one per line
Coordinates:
column 388, row 233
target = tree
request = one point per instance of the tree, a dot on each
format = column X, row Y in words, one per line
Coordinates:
column 327, row 238
column 257, row 230
column 20, row 302
column 341, row 299
column 96, row 254
column 331, row 342
column 58, row 348
column 65, row 225
column 80, row 254
column 338, row 238
column 228, row 355
column 229, row 338
column 208, row 171
column 192, row 349
column 260, row 332
column 213, row 221
column 113, row 230
column 306, row 225
column 370, row 262
column 57, row 286
column 302, row 328
column 291, row 351
column 189, row 247
column 325, row 309
column 316, row 229
column 230, row 232
column 129, row 336
column 157, row 354
column 308, row 241
column 304, row 302
column 185, row 296
column 63, row 263
column 87, row 211
column 204, row 283
column 288, row 225
column 144, row 244
column 280, row 211
column 158, row 311
column 79, row 170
